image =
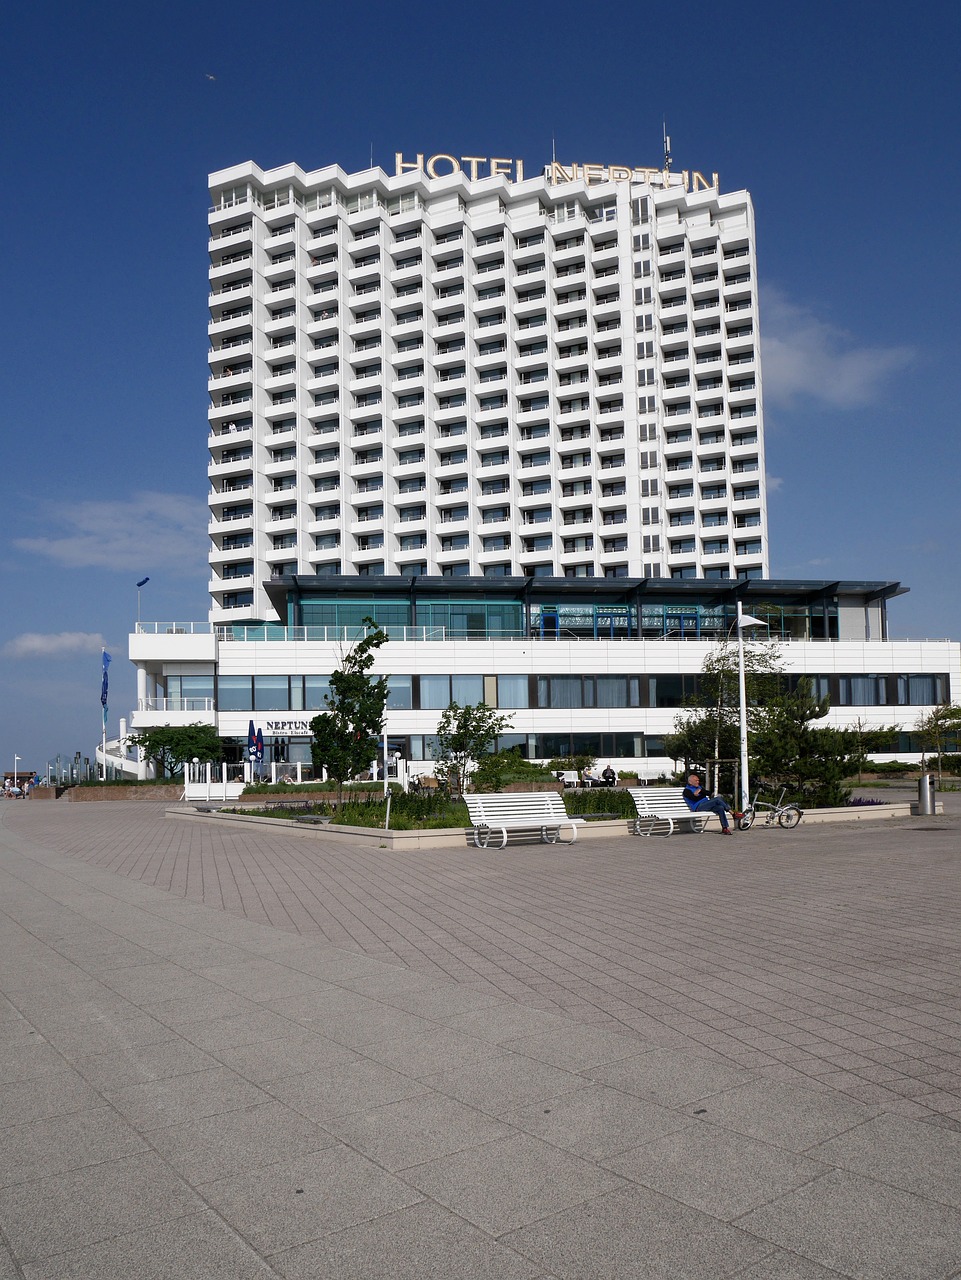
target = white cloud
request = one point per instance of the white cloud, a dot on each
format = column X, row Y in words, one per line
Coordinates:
column 33, row 644
column 146, row 531
column 773, row 483
column 805, row 357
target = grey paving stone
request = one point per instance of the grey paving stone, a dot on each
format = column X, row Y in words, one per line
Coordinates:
column 8, row 1268
column 394, row 982
column 723, row 1174
column 787, row 1266
column 26, row 1056
column 67, row 1211
column 499, row 1084
column 261, row 979
column 56, row 1093
column 636, row 1235
column 292, row 1055
column 424, row 1242
column 44, row 1147
column 670, row 1076
column 782, row 1114
column 501, row 1185
column 577, row 1048
column 427, row 1052
column 146, row 984
column 597, row 1122
column 445, row 1001
column 508, row 1021
column 298, row 1200
column 904, row 1153
column 198, row 1247
column 185, row 1010
column 159, row 1103
column 238, row 1029
column 140, row 1063
column 75, row 1040
column 238, row 1141
column 323, row 1094
column 415, row 1130
column 96, row 954
column 863, row 1228
column 349, row 1017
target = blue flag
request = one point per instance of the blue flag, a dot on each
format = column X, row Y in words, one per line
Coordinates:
column 103, row 686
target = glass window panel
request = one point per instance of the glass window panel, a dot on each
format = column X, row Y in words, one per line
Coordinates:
column 467, row 690
column 234, row 693
column 271, row 693
column 513, row 691
column 399, row 691
column 316, row 689
column 435, row 692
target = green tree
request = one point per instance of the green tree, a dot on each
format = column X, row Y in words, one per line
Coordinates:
column 709, row 727
column 787, row 751
column 937, row 731
column 169, row 747
column 355, row 712
column 465, row 736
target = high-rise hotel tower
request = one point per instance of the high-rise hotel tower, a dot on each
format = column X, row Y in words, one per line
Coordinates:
column 456, row 370
column 516, row 421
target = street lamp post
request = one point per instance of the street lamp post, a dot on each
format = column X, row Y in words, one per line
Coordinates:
column 743, row 620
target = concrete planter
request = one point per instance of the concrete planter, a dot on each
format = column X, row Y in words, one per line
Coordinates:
column 428, row 838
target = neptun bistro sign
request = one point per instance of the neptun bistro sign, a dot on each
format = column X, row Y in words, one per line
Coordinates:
column 442, row 165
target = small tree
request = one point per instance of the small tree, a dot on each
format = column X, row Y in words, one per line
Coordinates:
column 356, row 702
column 169, row 747
column 812, row 763
column 464, row 736
column 709, row 726
column 936, row 729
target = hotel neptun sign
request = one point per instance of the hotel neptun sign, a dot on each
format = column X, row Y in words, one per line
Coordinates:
column 442, row 165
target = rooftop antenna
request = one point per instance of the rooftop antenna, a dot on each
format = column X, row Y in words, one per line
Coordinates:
column 372, row 155
column 667, row 149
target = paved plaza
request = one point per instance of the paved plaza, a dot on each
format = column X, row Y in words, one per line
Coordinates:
column 238, row 1052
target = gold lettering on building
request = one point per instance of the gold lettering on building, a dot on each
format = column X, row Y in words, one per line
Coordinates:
column 444, row 165
column 432, row 165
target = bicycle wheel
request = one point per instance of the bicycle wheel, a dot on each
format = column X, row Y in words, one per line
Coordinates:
column 746, row 821
column 789, row 817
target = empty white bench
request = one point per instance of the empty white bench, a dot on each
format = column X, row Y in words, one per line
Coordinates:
column 663, row 810
column 519, row 811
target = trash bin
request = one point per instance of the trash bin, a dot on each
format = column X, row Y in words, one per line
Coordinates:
column 926, row 788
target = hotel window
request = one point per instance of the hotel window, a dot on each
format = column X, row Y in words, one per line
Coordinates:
column 438, row 692
column 234, row 693
column 863, row 691
column 922, row 690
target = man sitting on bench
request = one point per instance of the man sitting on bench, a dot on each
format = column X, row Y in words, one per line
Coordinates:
column 698, row 801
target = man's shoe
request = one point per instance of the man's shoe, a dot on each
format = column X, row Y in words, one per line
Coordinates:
column 725, row 831
column 737, row 815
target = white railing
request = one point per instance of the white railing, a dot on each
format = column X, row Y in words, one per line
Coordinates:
column 275, row 633
column 174, row 628
column 176, row 704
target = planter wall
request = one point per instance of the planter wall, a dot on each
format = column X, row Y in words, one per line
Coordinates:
column 81, row 795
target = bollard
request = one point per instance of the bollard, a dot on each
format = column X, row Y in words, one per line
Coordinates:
column 926, row 787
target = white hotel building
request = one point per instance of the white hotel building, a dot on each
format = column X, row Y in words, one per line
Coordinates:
column 518, row 421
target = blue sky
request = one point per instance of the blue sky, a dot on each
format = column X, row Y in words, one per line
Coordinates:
column 840, row 118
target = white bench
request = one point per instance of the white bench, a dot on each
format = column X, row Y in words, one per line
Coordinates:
column 519, row 811
column 662, row 810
